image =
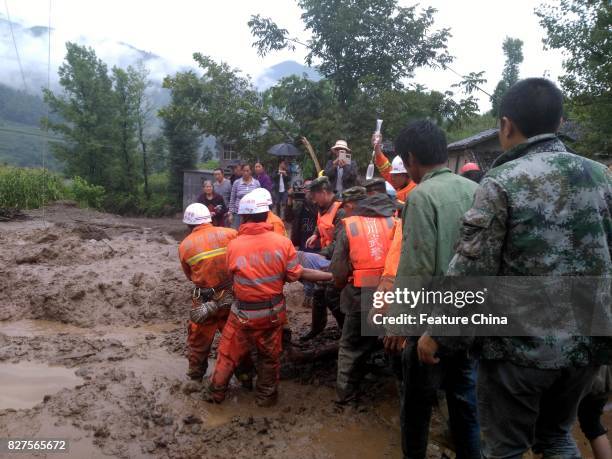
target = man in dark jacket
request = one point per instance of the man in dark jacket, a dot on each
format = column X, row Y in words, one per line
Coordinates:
column 368, row 229
column 342, row 173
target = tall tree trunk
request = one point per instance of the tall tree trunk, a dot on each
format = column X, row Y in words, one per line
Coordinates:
column 145, row 167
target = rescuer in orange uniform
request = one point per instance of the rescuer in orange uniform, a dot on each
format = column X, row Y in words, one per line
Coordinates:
column 260, row 262
column 394, row 172
column 277, row 224
column 203, row 259
column 328, row 223
column 359, row 257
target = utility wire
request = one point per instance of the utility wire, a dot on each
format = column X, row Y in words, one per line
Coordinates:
column 8, row 16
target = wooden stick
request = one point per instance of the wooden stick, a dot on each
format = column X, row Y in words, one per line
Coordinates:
column 311, row 152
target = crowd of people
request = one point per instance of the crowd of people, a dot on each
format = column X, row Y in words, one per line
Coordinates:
column 541, row 210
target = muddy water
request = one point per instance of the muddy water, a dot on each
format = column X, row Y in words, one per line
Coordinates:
column 24, row 384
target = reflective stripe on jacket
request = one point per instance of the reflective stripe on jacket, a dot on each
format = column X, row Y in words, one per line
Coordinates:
column 325, row 224
column 369, row 242
column 260, row 261
column 203, row 255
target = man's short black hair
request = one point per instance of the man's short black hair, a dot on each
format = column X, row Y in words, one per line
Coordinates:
column 474, row 176
column 426, row 142
column 218, row 169
column 535, row 106
column 254, row 218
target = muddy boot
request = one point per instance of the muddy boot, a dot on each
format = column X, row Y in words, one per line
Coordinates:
column 319, row 318
column 196, row 373
column 212, row 394
column 267, row 401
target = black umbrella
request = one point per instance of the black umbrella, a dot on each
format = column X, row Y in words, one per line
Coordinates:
column 284, row 149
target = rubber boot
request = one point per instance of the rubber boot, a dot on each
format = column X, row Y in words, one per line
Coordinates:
column 339, row 316
column 333, row 303
column 319, row 316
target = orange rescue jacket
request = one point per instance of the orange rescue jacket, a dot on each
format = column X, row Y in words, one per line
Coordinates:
column 203, row 255
column 393, row 256
column 325, row 224
column 277, row 224
column 260, row 261
column 369, row 242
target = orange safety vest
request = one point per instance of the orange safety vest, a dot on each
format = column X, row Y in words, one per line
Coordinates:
column 325, row 224
column 393, row 256
column 260, row 261
column 369, row 242
column 404, row 192
column 203, row 255
column 277, row 223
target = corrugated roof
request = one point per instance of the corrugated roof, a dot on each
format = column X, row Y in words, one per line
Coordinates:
column 473, row 140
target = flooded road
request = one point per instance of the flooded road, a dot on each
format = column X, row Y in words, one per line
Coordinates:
column 25, row 384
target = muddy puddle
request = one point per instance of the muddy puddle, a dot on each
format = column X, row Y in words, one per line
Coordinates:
column 25, row 384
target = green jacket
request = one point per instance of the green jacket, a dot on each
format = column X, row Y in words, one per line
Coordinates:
column 541, row 211
column 431, row 222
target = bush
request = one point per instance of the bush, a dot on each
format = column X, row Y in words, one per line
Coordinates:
column 86, row 195
column 29, row 188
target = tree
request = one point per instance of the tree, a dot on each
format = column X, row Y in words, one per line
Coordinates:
column 360, row 44
column 581, row 28
column 513, row 50
column 180, row 130
column 126, row 126
column 88, row 111
column 143, row 111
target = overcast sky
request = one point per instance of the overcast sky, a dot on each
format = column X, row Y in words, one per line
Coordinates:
column 174, row 30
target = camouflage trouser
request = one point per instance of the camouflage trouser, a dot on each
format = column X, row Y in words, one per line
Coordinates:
column 353, row 351
column 522, row 408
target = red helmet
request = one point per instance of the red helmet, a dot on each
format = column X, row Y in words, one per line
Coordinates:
column 469, row 167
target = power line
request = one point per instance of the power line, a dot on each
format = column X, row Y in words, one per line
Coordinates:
column 8, row 16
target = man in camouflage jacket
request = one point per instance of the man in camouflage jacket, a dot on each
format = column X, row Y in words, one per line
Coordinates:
column 540, row 211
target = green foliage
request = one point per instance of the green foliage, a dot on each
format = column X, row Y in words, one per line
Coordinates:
column 25, row 188
column 360, row 44
column 86, row 195
column 581, row 28
column 87, row 106
column 513, row 50
column 209, row 165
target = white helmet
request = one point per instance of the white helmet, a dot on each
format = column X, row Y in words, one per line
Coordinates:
column 196, row 214
column 264, row 194
column 397, row 166
column 254, row 202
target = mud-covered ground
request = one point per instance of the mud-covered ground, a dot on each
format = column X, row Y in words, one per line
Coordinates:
column 93, row 310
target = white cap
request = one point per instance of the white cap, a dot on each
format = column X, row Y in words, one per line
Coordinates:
column 263, row 194
column 391, row 192
column 196, row 214
column 254, row 202
column 397, row 166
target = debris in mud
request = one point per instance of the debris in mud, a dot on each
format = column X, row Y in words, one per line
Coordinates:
column 7, row 215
